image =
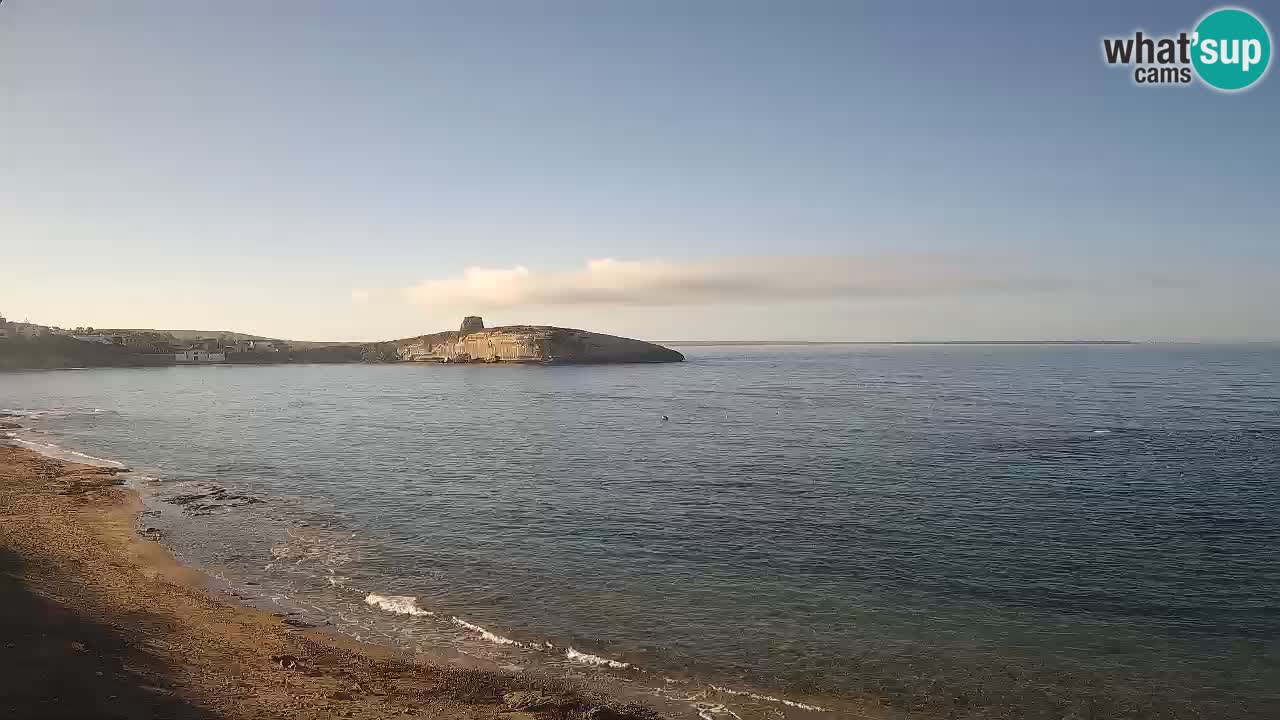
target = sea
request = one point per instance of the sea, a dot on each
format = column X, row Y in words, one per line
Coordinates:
column 814, row 531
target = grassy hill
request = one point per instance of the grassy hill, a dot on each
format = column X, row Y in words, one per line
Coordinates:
column 57, row 351
column 191, row 335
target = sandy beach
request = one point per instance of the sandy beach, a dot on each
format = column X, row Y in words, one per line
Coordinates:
column 97, row 621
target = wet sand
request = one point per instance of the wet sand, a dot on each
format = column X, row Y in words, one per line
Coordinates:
column 96, row 621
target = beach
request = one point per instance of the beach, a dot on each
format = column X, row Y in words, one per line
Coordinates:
column 101, row 622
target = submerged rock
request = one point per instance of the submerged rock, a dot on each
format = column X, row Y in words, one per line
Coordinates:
column 201, row 498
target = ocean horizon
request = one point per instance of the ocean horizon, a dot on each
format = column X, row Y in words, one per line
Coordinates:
column 971, row 530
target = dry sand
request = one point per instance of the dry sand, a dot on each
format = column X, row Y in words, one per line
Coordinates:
column 97, row 622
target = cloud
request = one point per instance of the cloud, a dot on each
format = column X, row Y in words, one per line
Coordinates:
column 727, row 280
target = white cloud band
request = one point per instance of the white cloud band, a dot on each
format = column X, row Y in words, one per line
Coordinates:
column 665, row 282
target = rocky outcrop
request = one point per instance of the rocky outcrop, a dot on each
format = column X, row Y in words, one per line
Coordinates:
column 471, row 323
column 529, row 343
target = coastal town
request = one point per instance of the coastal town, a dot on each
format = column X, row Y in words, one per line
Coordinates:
column 158, row 345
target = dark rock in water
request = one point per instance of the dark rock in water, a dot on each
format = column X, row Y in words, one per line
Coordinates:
column 200, row 498
column 6, row 425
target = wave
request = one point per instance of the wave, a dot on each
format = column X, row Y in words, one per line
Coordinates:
column 589, row 659
column 709, row 711
column 60, row 453
column 769, row 698
column 398, row 604
column 485, row 634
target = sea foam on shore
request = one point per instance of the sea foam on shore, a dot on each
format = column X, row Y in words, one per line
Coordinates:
column 398, row 604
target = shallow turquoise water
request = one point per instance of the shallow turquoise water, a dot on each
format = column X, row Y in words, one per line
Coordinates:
column 988, row 531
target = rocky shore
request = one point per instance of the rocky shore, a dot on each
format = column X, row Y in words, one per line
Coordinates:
column 98, row 621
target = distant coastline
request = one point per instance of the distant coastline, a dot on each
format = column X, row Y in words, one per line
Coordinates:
column 710, row 343
column 30, row 346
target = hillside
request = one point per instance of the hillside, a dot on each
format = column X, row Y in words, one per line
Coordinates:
column 57, row 351
column 191, row 335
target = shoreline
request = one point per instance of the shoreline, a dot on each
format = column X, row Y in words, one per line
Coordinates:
column 101, row 621
column 112, row 498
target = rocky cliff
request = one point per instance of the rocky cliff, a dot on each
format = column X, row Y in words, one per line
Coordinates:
column 529, row 343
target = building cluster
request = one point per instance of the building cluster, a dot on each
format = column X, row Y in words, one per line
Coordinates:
column 212, row 349
column 27, row 330
column 219, row 349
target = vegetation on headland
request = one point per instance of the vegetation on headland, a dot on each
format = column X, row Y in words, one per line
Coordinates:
column 27, row 345
column 58, row 351
column 62, row 351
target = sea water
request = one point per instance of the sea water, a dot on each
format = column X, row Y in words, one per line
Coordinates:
column 880, row 531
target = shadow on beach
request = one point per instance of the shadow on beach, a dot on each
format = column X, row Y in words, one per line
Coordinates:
column 55, row 663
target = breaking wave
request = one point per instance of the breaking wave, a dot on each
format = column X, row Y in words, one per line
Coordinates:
column 486, row 635
column 589, row 659
column 769, row 698
column 60, row 453
column 709, row 711
column 398, row 604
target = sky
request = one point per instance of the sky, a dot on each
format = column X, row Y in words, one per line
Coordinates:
column 664, row 170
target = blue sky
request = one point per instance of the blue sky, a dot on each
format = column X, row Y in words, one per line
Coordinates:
column 330, row 170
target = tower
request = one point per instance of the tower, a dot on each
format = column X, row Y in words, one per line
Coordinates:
column 470, row 324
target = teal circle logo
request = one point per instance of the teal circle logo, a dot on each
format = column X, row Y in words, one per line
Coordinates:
column 1232, row 49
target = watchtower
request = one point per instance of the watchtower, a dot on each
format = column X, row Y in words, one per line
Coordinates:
column 470, row 324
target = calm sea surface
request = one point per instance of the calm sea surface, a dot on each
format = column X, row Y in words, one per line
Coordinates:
column 900, row 531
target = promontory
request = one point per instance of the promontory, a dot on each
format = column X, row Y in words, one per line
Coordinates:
column 473, row 342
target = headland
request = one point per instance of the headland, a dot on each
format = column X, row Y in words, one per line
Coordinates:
column 33, row 346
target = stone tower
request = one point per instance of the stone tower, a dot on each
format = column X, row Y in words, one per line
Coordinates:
column 470, row 324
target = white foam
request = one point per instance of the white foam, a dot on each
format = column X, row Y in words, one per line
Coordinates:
column 60, row 453
column 589, row 659
column 709, row 711
column 495, row 639
column 398, row 604
column 769, row 698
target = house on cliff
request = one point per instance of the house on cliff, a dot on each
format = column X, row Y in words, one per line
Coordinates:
column 199, row 355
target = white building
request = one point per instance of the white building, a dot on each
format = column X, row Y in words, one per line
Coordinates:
column 100, row 339
column 199, row 356
column 31, row 330
column 263, row 346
